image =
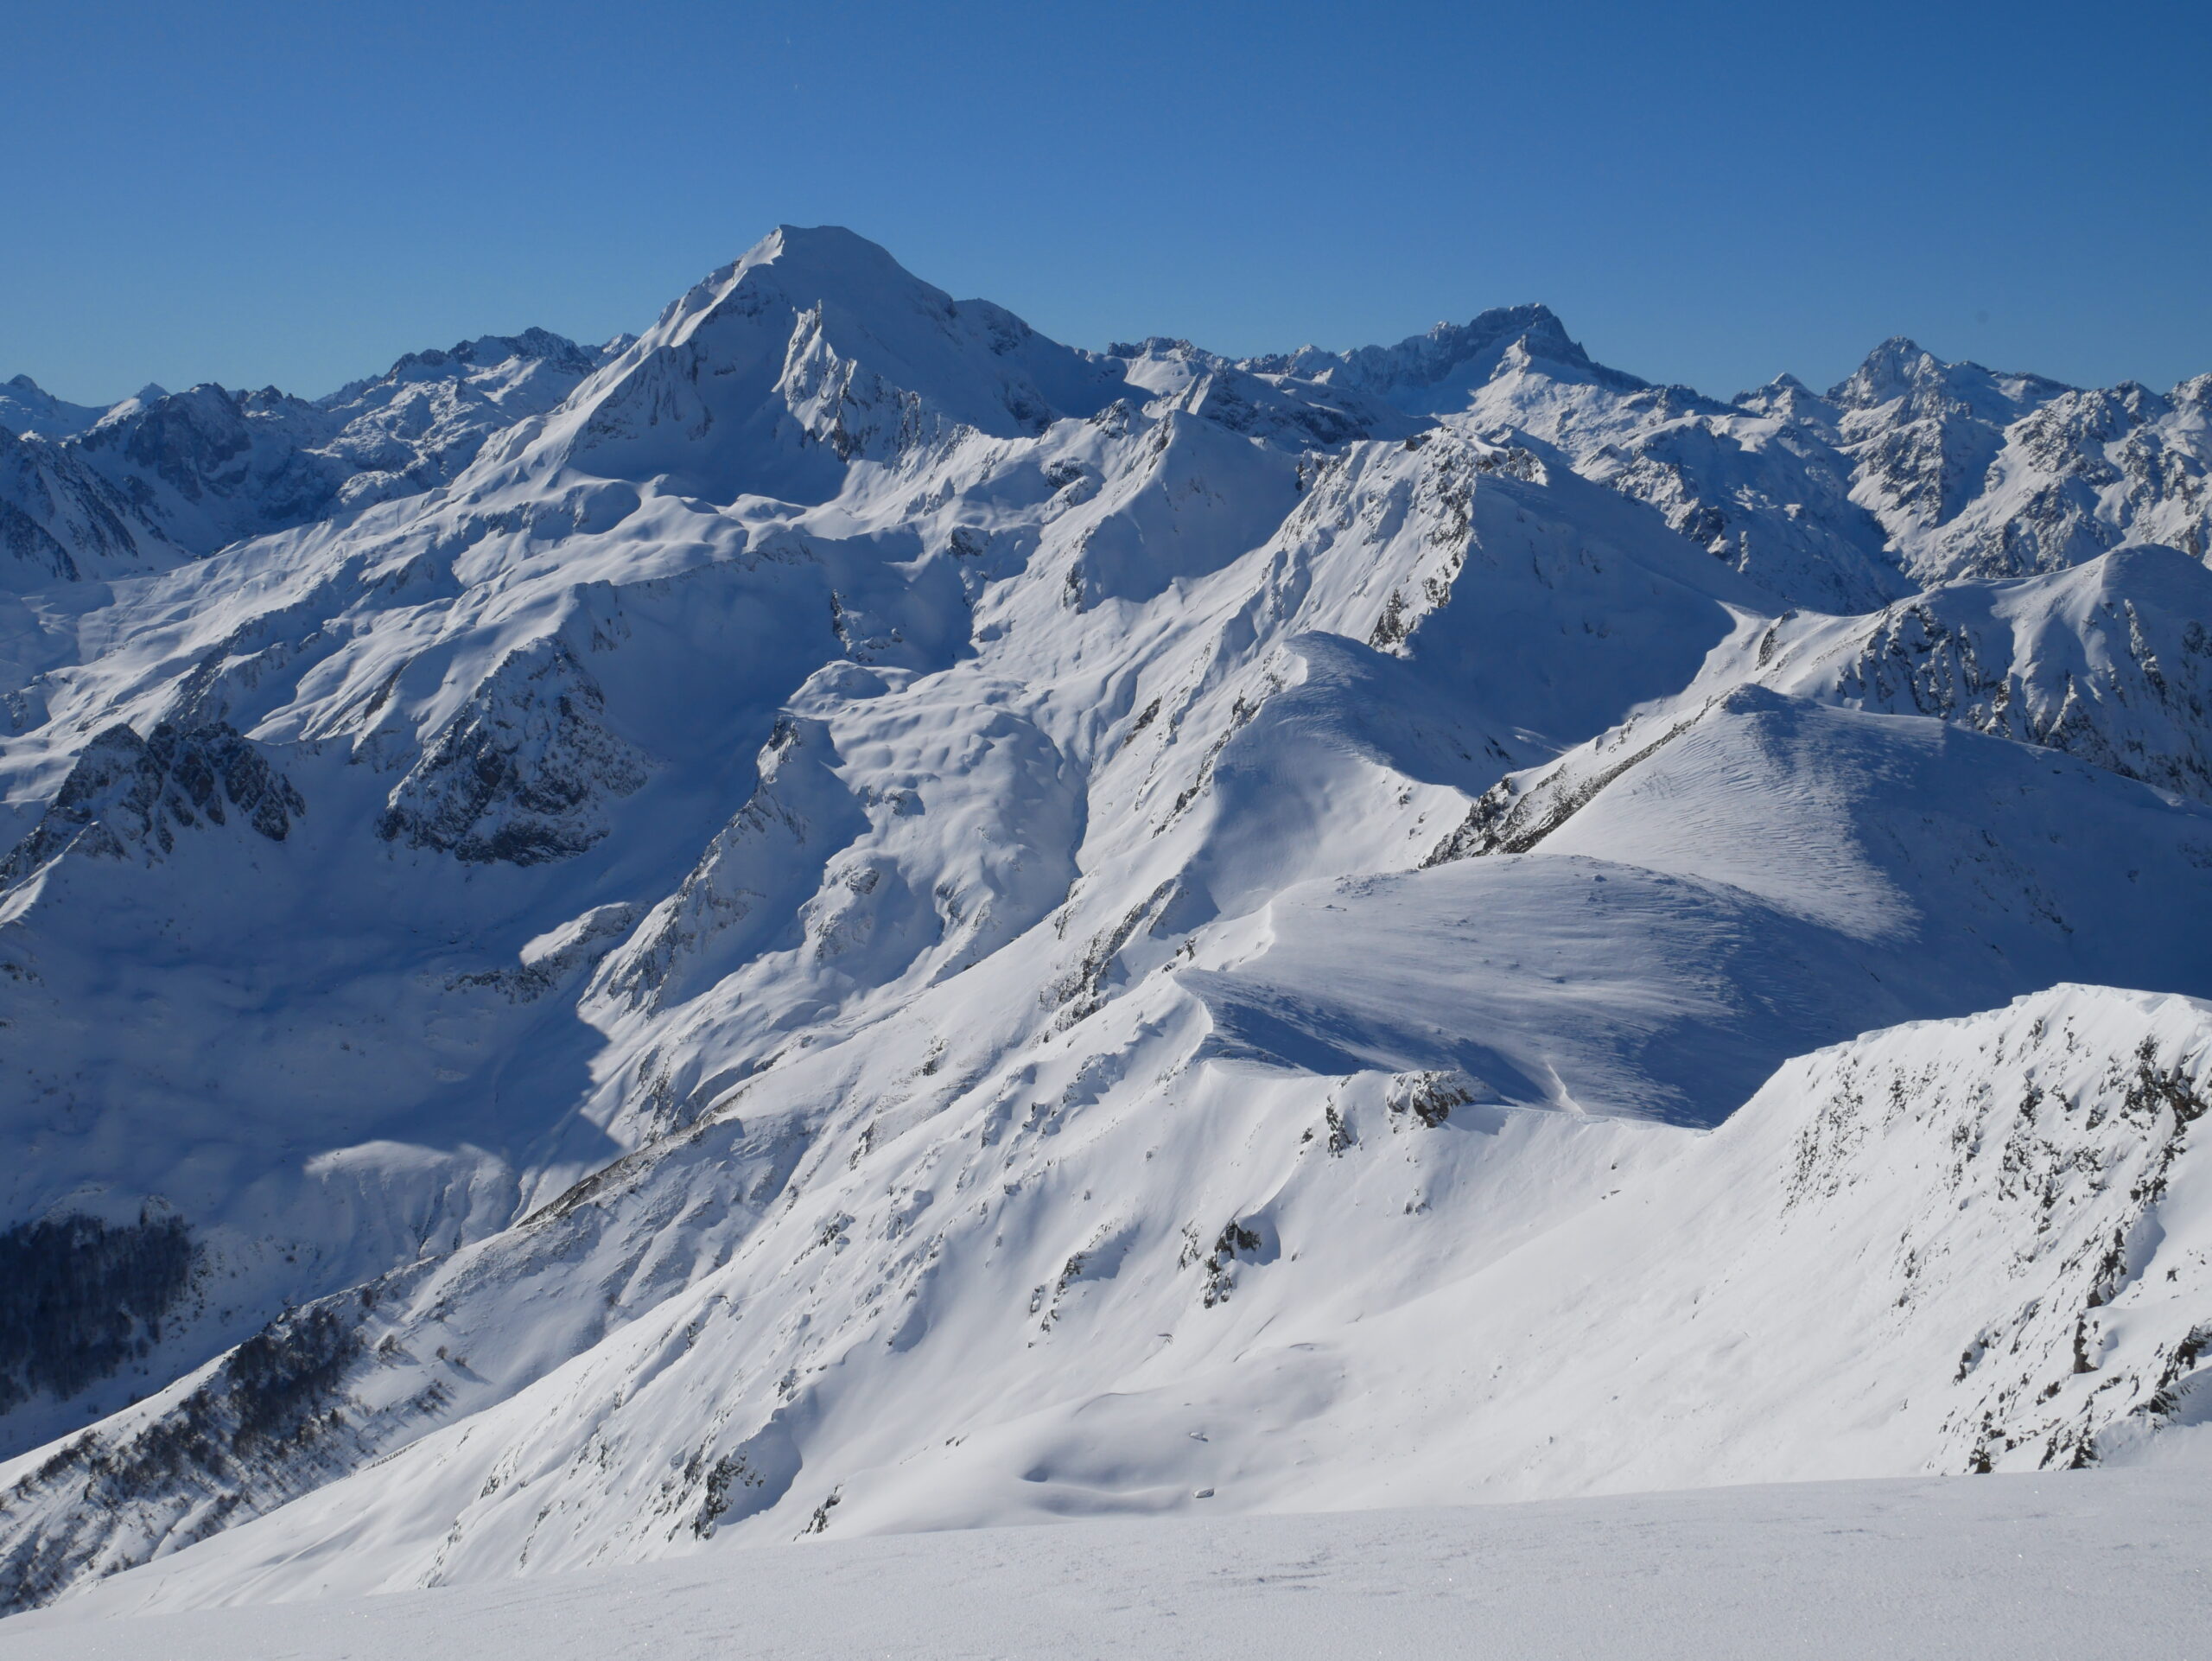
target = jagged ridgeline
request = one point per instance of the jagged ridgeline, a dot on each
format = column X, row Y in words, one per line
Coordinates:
column 839, row 917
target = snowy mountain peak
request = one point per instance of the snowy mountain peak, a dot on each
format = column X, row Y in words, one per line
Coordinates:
column 1893, row 365
column 1900, row 368
column 1781, row 391
column 842, row 917
column 819, row 267
column 1785, row 398
column 1435, row 373
column 486, row 350
column 814, row 350
column 28, row 408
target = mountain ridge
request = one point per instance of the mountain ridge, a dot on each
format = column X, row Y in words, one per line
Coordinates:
column 1918, row 429
column 818, row 918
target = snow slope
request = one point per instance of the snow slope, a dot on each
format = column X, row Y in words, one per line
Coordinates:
column 2087, row 1563
column 1409, row 1299
column 842, row 915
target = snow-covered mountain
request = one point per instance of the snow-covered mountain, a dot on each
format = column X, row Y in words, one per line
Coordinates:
column 163, row 476
column 61, row 521
column 27, row 408
column 840, row 917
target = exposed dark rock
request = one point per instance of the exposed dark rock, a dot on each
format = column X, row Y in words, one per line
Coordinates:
column 522, row 774
column 129, row 794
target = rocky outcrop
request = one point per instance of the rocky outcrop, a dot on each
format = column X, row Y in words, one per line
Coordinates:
column 128, row 797
column 2110, row 661
column 522, row 773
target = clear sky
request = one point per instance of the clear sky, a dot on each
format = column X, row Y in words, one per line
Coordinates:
column 1708, row 193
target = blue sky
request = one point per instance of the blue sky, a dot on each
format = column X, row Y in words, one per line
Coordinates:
column 1711, row 193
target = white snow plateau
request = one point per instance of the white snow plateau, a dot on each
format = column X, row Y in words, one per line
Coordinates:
column 837, row 919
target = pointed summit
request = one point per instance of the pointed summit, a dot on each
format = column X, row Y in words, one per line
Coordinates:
column 27, row 407
column 1902, row 368
column 807, row 268
column 1435, row 373
column 815, row 349
column 1892, row 368
column 1785, row 398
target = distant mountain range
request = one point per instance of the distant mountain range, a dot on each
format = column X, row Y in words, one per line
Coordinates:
column 839, row 917
column 166, row 476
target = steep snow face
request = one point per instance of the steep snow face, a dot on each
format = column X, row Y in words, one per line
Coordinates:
column 849, row 912
column 1409, row 1301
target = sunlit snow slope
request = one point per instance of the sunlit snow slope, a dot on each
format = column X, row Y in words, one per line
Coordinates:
column 841, row 918
column 2071, row 1564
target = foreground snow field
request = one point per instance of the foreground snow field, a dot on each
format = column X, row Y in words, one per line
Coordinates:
column 839, row 918
column 2050, row 1568
column 1975, row 1244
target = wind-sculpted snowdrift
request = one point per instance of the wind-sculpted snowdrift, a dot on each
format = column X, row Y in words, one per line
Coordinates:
column 855, row 919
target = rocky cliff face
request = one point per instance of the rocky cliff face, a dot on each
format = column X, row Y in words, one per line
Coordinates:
column 130, row 796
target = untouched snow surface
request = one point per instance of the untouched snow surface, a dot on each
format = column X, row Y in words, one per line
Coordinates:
column 2014, row 1568
column 841, row 918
